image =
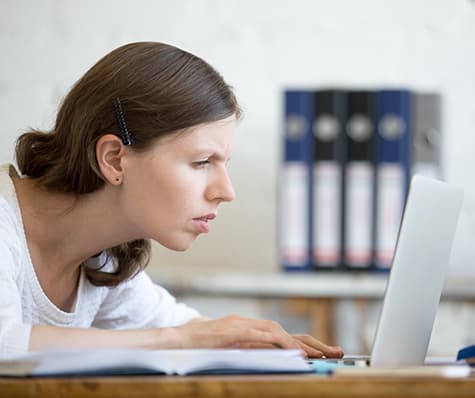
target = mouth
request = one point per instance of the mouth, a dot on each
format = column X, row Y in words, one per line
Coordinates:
column 201, row 223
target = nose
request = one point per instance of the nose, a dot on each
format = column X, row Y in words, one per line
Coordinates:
column 221, row 187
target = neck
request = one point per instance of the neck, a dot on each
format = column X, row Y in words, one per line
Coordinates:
column 64, row 230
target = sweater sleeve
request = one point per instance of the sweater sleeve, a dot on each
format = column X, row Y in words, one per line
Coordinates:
column 139, row 303
column 14, row 334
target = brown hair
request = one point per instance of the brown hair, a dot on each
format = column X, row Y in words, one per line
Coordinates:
column 162, row 90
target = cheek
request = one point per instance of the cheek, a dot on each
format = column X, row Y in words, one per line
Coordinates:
column 174, row 195
column 166, row 193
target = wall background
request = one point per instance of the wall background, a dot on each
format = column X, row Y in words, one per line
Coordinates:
column 260, row 47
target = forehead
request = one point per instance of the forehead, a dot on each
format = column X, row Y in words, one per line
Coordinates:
column 217, row 134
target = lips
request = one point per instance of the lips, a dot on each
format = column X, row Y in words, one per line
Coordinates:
column 201, row 223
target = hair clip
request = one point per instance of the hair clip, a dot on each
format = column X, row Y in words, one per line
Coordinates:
column 125, row 135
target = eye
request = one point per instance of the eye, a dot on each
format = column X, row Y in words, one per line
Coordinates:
column 201, row 163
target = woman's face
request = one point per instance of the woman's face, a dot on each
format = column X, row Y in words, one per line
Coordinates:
column 171, row 192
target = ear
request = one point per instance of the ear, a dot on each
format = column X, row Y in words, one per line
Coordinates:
column 109, row 154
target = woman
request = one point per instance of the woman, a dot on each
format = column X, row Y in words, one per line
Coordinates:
column 138, row 152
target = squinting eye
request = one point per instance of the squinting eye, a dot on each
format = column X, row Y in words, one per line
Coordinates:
column 201, row 163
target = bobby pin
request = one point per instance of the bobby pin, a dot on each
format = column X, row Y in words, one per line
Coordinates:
column 125, row 135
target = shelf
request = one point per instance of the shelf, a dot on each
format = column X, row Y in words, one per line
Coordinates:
column 285, row 285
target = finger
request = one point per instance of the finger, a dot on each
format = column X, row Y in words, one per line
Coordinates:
column 310, row 352
column 245, row 337
column 273, row 333
column 277, row 339
column 328, row 351
column 245, row 330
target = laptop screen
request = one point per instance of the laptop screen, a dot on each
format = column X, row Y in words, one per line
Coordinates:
column 417, row 273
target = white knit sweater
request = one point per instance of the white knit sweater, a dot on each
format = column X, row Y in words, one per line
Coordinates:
column 137, row 303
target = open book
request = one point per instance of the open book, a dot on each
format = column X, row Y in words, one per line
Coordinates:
column 136, row 361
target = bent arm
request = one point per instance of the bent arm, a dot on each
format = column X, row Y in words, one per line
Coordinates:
column 230, row 331
column 46, row 336
column 227, row 332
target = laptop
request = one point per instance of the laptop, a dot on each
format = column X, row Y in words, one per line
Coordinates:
column 417, row 274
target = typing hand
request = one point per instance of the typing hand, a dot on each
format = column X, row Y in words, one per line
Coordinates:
column 309, row 345
column 240, row 332
column 232, row 331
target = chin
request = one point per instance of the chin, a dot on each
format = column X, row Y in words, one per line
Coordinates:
column 180, row 246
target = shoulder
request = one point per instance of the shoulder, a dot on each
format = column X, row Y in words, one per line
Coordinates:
column 8, row 200
column 10, row 218
column 11, row 227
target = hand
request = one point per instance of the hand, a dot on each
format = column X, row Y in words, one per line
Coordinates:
column 239, row 332
column 232, row 331
column 309, row 345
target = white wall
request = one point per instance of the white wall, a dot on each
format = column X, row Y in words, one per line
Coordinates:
column 260, row 47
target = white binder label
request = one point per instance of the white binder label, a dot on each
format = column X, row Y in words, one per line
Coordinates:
column 389, row 201
column 359, row 214
column 294, row 215
column 326, row 213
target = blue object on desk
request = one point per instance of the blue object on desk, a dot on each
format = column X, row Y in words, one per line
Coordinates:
column 467, row 353
column 325, row 367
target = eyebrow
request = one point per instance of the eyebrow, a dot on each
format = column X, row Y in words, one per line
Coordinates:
column 211, row 153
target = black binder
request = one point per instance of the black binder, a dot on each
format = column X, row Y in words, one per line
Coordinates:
column 358, row 241
column 329, row 150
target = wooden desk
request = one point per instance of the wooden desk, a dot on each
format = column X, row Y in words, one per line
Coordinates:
column 261, row 386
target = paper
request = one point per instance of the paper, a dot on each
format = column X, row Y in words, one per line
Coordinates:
column 136, row 361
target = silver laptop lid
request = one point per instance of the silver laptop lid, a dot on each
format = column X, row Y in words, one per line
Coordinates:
column 417, row 273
